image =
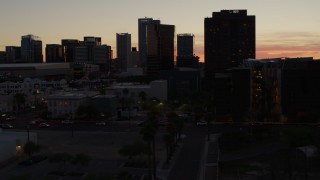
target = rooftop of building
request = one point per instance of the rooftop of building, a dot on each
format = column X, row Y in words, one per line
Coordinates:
column 34, row 66
column 73, row 95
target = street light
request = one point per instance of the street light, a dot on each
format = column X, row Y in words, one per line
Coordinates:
column 28, row 131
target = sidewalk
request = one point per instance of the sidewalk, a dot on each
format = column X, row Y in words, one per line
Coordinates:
column 164, row 168
column 210, row 160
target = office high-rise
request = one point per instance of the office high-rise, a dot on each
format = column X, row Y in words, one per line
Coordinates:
column 142, row 29
column 229, row 39
column 92, row 41
column 160, row 48
column 185, row 54
column 55, row 53
column 185, row 44
column 123, row 50
column 69, row 46
column 135, row 59
column 3, row 57
column 31, row 49
column 13, row 54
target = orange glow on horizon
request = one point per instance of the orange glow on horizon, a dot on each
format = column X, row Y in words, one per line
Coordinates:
column 262, row 53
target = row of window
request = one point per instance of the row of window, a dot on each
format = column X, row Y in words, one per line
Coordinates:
column 63, row 104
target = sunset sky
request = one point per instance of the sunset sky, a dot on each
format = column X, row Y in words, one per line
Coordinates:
column 284, row 28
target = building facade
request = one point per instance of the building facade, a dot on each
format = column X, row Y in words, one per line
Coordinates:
column 124, row 50
column 3, row 57
column 160, row 48
column 13, row 54
column 185, row 53
column 31, row 49
column 135, row 58
column 142, row 33
column 69, row 46
column 229, row 39
column 55, row 53
column 66, row 104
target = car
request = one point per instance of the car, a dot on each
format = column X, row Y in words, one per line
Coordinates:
column 36, row 121
column 202, row 123
column 67, row 122
column 33, row 122
column 44, row 125
column 6, row 126
column 10, row 118
column 101, row 123
column 33, row 160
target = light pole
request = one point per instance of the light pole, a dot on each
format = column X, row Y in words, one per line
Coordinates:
column 3, row 116
column 28, row 132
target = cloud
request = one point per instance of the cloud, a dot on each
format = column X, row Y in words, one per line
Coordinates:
column 278, row 44
column 288, row 44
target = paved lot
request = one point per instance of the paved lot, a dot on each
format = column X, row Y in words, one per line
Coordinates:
column 101, row 146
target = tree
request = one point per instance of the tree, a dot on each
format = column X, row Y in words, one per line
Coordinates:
column 81, row 159
column 89, row 111
column 102, row 90
column 61, row 158
column 168, row 139
column 133, row 150
column 124, row 175
column 101, row 176
column 30, row 148
column 21, row 177
column 142, row 95
column 148, row 133
column 20, row 99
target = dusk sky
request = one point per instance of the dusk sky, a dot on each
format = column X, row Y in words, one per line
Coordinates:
column 284, row 28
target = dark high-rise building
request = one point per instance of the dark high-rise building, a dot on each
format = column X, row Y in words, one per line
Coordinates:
column 185, row 44
column 142, row 28
column 160, row 48
column 123, row 50
column 229, row 39
column 31, row 49
column 185, row 55
column 55, row 53
column 2, row 57
column 69, row 46
column 102, row 56
column 13, row 54
column 92, row 41
column 135, row 60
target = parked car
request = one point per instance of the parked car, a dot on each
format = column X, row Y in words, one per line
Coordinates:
column 6, row 126
column 67, row 122
column 37, row 121
column 10, row 118
column 101, row 123
column 33, row 160
column 44, row 125
column 201, row 123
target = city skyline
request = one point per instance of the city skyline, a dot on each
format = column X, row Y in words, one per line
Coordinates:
column 283, row 29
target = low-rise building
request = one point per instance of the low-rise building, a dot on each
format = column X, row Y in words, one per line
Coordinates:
column 156, row 89
column 67, row 103
column 37, row 70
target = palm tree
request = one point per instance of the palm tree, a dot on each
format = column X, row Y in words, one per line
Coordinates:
column 133, row 150
column 168, row 139
column 30, row 148
column 148, row 133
